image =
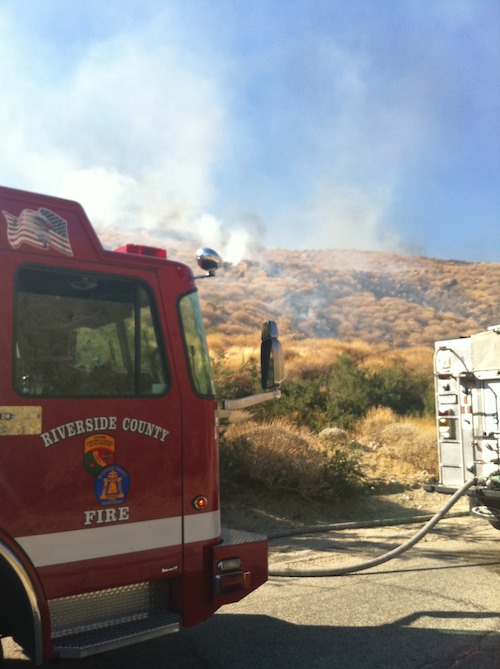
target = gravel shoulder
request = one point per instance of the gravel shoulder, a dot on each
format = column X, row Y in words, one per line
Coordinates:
column 266, row 513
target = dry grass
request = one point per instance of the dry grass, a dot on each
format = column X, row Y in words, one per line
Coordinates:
column 397, row 448
column 284, row 458
column 370, row 297
column 307, row 358
column 376, row 297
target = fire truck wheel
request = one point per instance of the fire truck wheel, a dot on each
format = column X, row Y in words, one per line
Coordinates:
column 487, row 513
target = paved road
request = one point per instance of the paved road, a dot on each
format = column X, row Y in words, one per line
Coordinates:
column 436, row 607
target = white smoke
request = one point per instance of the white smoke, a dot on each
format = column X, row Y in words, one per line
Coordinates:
column 237, row 246
column 130, row 130
column 163, row 117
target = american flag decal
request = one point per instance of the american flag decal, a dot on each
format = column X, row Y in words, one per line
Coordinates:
column 41, row 228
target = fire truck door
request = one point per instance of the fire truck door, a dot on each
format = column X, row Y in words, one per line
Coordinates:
column 91, row 461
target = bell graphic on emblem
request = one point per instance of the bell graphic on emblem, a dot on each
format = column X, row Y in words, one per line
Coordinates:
column 112, row 488
column 112, row 485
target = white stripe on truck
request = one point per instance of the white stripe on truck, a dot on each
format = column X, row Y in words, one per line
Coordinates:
column 99, row 542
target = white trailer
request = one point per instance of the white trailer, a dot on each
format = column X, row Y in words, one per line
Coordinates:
column 467, row 383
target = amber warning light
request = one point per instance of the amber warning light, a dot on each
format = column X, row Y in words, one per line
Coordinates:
column 200, row 502
column 141, row 250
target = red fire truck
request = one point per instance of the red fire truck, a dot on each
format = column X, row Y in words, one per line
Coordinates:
column 109, row 516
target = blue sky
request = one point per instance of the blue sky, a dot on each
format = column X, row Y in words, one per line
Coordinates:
column 303, row 124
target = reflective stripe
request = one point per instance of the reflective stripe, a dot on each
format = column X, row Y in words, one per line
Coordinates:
column 100, row 542
column 201, row 527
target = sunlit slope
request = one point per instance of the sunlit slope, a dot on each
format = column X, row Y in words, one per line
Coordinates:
column 373, row 297
column 348, row 295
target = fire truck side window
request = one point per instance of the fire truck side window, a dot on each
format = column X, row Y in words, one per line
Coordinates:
column 196, row 345
column 85, row 335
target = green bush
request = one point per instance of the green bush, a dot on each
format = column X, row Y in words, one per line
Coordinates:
column 344, row 471
column 340, row 397
column 395, row 388
column 231, row 382
column 303, row 402
column 349, row 392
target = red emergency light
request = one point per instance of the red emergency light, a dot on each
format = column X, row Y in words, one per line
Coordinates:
column 141, row 250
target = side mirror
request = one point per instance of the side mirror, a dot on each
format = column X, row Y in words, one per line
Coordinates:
column 209, row 260
column 272, row 368
column 272, row 362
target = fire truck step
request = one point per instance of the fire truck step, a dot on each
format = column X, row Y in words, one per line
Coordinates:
column 94, row 622
column 84, row 644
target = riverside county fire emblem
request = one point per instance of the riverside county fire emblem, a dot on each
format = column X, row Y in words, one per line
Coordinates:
column 111, row 481
column 112, row 485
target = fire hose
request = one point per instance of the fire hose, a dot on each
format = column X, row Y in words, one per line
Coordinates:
column 368, row 564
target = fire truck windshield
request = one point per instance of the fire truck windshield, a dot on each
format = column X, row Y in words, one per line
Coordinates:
column 196, row 346
column 85, row 334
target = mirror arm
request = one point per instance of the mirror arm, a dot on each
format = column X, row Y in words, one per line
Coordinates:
column 204, row 276
column 250, row 400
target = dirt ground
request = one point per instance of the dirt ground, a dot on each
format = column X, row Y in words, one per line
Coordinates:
column 269, row 514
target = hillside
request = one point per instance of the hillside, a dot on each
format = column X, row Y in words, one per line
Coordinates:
column 348, row 295
column 345, row 295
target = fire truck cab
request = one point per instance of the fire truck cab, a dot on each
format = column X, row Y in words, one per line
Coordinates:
column 109, row 499
column 467, row 382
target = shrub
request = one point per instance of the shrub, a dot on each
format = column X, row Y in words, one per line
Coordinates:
column 405, row 447
column 354, row 390
column 231, row 381
column 396, row 388
column 281, row 457
column 349, row 392
column 303, row 402
column 340, row 395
